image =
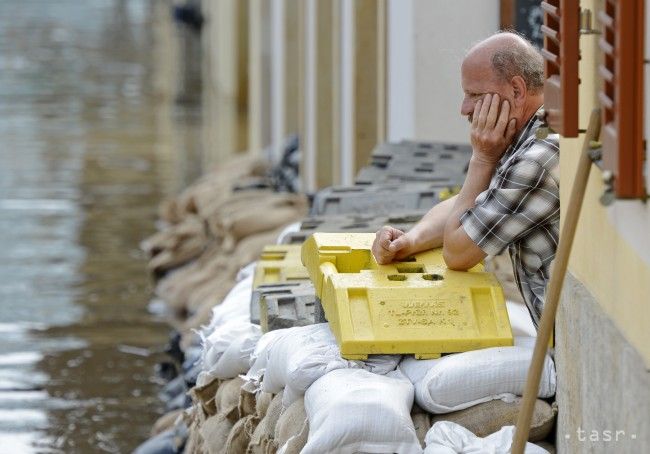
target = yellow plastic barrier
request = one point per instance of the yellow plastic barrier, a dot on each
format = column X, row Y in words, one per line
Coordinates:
column 413, row 307
column 350, row 253
column 279, row 263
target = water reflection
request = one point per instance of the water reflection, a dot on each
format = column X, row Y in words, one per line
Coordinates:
column 88, row 149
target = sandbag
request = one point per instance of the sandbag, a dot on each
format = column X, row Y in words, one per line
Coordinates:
column 489, row 417
column 288, row 230
column 292, row 428
column 296, row 443
column 262, row 402
column 246, row 271
column 235, row 306
column 166, row 421
column 461, row 380
column 265, row 430
column 240, row 435
column 227, row 350
column 450, row 438
column 353, row 410
column 227, row 398
column 247, row 405
column 304, row 354
column 520, row 320
column 215, row 431
column 205, row 395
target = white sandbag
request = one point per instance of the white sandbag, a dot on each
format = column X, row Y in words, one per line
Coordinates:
column 246, row 271
column 520, row 320
column 307, row 353
column 260, row 358
column 227, row 351
column 289, row 229
column 446, row 437
column 461, row 380
column 235, row 306
column 292, row 341
column 353, row 410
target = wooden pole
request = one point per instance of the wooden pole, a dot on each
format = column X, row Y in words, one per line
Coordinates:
column 555, row 286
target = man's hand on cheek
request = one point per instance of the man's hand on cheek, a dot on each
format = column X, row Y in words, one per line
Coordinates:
column 492, row 130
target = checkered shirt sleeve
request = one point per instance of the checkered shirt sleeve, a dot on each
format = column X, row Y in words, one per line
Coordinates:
column 522, row 198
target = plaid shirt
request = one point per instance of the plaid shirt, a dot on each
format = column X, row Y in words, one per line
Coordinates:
column 521, row 210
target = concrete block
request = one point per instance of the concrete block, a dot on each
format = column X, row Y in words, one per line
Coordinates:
column 376, row 200
column 353, row 223
column 275, row 306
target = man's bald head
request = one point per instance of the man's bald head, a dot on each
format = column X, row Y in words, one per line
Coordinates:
column 510, row 55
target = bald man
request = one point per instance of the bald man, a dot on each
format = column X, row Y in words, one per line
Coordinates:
column 510, row 198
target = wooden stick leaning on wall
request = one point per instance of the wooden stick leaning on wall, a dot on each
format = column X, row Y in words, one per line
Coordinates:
column 555, row 285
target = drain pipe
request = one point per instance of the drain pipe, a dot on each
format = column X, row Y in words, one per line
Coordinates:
column 547, row 321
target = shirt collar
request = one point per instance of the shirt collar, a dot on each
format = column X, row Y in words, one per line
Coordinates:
column 529, row 129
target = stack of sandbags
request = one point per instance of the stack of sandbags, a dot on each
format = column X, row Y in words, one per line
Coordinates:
column 210, row 231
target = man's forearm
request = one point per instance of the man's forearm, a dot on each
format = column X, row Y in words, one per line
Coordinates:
column 429, row 231
column 478, row 178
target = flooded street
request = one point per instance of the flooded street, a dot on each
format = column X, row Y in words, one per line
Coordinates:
column 89, row 145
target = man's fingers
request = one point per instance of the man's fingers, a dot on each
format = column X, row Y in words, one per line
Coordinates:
column 493, row 112
column 397, row 245
column 485, row 107
column 502, row 122
column 477, row 110
column 385, row 238
column 512, row 129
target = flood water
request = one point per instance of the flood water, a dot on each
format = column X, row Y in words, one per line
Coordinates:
column 90, row 142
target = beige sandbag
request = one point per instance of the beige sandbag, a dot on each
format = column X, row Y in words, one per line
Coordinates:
column 227, row 398
column 258, row 442
column 240, row 435
column 165, row 422
column 277, row 211
column 206, row 396
column 252, row 223
column 194, row 444
column 250, row 248
column 212, row 290
column 247, row 403
column 181, row 288
column 169, row 211
column 262, row 402
column 273, row 414
column 188, row 250
column 220, row 210
column 173, row 236
column 291, row 428
column 296, row 443
column 489, row 417
column 215, row 431
column 263, row 433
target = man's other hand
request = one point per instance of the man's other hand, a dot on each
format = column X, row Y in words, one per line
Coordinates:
column 492, row 130
column 390, row 243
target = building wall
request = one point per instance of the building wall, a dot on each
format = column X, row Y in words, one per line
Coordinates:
column 602, row 340
column 611, row 251
column 603, row 388
column 427, row 40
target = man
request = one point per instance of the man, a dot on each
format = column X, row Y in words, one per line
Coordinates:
column 510, row 197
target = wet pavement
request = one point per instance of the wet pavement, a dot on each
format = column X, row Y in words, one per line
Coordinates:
column 89, row 144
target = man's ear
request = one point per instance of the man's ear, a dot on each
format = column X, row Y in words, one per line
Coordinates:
column 519, row 90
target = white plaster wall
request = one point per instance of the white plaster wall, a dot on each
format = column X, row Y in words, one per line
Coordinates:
column 401, row 68
column 427, row 41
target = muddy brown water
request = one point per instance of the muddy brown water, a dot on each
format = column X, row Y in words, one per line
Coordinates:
column 88, row 147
